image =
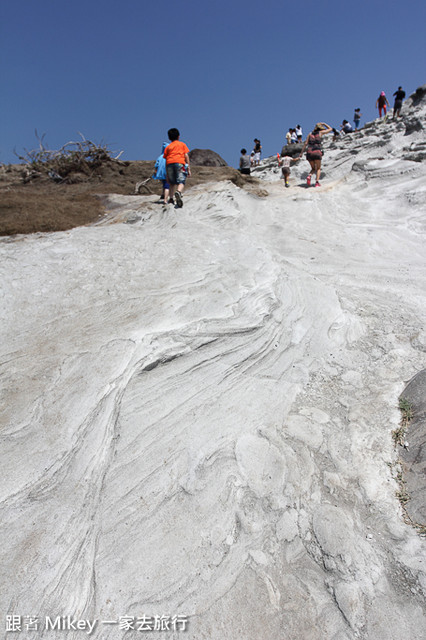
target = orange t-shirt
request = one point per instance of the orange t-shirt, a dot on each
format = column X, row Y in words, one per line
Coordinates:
column 175, row 152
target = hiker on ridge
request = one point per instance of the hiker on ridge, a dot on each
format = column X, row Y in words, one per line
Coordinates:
column 399, row 97
column 314, row 151
column 346, row 127
column 257, row 149
column 284, row 162
column 357, row 118
column 381, row 103
column 177, row 159
column 245, row 162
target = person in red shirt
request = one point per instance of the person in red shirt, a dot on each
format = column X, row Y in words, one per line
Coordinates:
column 177, row 166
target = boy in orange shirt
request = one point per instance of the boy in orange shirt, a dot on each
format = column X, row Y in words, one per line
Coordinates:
column 177, row 156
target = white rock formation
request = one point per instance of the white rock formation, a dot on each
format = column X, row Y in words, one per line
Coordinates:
column 197, row 408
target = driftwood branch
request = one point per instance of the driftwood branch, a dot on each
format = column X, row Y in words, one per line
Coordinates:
column 142, row 184
column 81, row 155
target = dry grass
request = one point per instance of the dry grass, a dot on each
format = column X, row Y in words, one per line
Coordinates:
column 399, row 434
column 32, row 212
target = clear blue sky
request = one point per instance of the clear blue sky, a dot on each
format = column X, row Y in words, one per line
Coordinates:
column 222, row 71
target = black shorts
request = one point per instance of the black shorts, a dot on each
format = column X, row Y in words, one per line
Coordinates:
column 398, row 104
column 246, row 171
column 314, row 155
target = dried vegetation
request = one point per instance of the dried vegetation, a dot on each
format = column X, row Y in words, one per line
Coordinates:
column 399, row 437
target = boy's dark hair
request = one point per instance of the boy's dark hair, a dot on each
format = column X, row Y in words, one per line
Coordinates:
column 173, row 134
column 243, row 151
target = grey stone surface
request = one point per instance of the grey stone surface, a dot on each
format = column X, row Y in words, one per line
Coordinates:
column 413, row 124
column 291, row 150
column 414, row 453
column 206, row 158
column 418, row 97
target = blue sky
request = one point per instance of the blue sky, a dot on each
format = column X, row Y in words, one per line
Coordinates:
column 223, row 72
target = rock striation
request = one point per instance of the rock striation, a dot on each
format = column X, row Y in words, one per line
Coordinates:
column 198, row 408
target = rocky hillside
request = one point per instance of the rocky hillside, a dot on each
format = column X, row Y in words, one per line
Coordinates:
column 201, row 416
column 31, row 201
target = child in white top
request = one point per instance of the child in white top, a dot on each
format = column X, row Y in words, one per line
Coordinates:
column 284, row 163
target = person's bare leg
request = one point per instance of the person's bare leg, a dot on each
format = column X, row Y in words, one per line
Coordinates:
column 318, row 169
column 172, row 191
column 308, row 179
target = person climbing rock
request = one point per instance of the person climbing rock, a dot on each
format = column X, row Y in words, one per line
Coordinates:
column 382, row 103
column 357, row 118
column 314, row 150
column 245, row 162
column 346, row 127
column 160, row 173
column 177, row 159
column 399, row 97
column 257, row 149
column 285, row 162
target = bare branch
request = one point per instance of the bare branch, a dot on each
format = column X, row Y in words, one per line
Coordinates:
column 81, row 155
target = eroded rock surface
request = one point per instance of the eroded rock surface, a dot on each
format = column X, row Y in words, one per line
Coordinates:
column 198, row 407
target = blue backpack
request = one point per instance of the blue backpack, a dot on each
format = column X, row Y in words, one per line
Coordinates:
column 160, row 172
